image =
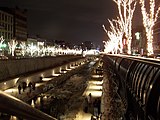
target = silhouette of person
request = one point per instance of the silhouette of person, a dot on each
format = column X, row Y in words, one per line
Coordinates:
column 19, row 89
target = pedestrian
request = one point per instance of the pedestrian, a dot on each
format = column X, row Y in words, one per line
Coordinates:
column 85, row 105
column 19, row 89
column 30, row 84
column 33, row 85
column 89, row 100
column 99, row 106
column 24, row 85
column 30, row 87
column 95, row 107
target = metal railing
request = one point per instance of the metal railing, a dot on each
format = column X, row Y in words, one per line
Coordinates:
column 16, row 107
column 139, row 84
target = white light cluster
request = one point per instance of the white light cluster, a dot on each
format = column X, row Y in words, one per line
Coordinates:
column 38, row 49
column 23, row 48
column 115, row 37
column 149, row 20
column 122, row 25
column 12, row 46
column 1, row 40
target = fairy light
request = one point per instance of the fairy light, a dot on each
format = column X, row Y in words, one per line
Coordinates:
column 121, row 25
column 1, row 40
column 126, row 9
column 12, row 46
column 23, row 47
column 149, row 20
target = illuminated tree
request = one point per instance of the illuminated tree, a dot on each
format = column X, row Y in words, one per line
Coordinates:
column 51, row 50
column 149, row 20
column 126, row 9
column 1, row 40
column 31, row 49
column 23, row 47
column 115, row 37
column 44, row 49
column 12, row 46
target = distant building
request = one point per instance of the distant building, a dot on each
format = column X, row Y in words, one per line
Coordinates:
column 6, row 25
column 14, row 23
column 156, row 37
column 20, row 24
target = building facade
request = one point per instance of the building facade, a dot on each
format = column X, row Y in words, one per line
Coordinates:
column 20, row 24
column 156, row 37
column 14, row 23
column 6, row 25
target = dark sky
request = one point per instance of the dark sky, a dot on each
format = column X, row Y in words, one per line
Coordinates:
column 69, row 20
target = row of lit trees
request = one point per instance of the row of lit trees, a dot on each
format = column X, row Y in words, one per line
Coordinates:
column 37, row 50
column 120, row 33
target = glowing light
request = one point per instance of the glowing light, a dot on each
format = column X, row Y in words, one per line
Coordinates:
column 68, row 69
column 137, row 34
column 56, row 74
column 38, row 101
column 42, row 75
column 53, row 72
column 32, row 103
column 95, row 88
column 47, row 79
column 12, row 90
column 1, row 41
column 95, row 93
column 45, row 97
column 96, row 82
column 13, row 118
column 63, row 71
column 149, row 20
column 120, row 26
column 16, row 79
column 39, row 84
column 31, row 49
column 12, row 46
column 23, row 48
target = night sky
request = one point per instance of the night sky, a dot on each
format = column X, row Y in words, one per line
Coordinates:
column 73, row 21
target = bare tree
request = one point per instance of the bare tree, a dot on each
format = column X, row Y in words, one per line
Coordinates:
column 1, row 40
column 126, row 9
column 23, row 47
column 114, row 44
column 12, row 46
column 149, row 20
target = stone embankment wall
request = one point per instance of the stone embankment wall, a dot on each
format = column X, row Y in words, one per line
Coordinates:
column 12, row 68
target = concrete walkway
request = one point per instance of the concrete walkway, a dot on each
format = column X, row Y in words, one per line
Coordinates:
column 95, row 88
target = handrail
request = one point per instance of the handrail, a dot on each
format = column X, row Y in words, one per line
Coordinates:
column 139, row 83
column 16, row 107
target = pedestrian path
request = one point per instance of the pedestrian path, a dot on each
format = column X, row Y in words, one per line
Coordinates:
column 26, row 94
column 95, row 88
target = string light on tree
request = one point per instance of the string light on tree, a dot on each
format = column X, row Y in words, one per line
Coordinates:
column 126, row 9
column 114, row 43
column 149, row 20
column 31, row 49
column 12, row 46
column 1, row 40
column 23, row 48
